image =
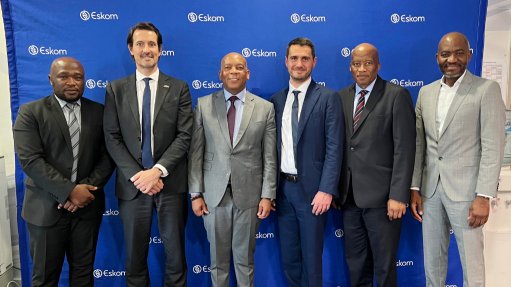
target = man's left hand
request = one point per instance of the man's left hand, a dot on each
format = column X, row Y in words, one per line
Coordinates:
column 264, row 208
column 321, row 202
column 479, row 211
column 395, row 209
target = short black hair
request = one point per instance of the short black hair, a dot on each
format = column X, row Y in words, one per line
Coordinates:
column 301, row 41
column 144, row 26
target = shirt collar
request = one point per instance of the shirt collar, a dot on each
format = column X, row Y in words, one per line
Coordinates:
column 368, row 88
column 62, row 103
column 302, row 88
column 456, row 84
column 153, row 76
column 240, row 95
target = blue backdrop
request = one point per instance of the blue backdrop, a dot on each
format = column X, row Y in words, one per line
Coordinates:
column 196, row 34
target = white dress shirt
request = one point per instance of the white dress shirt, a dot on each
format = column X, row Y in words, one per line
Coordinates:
column 445, row 99
column 287, row 163
column 153, row 84
column 357, row 94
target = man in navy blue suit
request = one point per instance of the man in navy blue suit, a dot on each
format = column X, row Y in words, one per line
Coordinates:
column 310, row 134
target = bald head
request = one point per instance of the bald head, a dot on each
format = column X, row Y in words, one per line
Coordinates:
column 67, row 78
column 454, row 37
column 453, row 56
column 234, row 73
column 365, row 64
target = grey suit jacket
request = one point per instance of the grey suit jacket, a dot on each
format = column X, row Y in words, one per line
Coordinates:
column 250, row 162
column 43, row 145
column 467, row 153
column 171, row 130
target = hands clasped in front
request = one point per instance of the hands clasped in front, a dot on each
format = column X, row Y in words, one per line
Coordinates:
column 148, row 181
column 79, row 197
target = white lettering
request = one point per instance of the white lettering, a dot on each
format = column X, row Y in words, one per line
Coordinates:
column 51, row 51
column 100, row 16
column 311, row 18
column 410, row 18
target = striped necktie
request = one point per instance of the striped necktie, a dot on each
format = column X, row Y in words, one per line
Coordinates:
column 74, row 132
column 358, row 110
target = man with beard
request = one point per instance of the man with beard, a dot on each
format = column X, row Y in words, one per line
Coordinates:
column 147, row 124
column 310, row 134
column 233, row 170
column 61, row 148
column 460, row 142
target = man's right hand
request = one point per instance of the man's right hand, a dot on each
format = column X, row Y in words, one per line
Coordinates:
column 199, row 207
column 416, row 204
column 81, row 195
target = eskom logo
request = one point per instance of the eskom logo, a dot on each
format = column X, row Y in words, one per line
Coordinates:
column 155, row 240
column 111, row 212
column 98, row 273
column 34, row 50
column 306, row 18
column 260, row 235
column 91, row 83
column 194, row 17
column 407, row 83
column 339, row 233
column 247, row 52
column 396, row 18
column 400, row 263
column 199, row 269
column 167, row 53
column 345, row 52
column 197, row 84
column 86, row 15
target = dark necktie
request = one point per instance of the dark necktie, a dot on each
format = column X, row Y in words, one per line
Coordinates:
column 147, row 155
column 74, row 132
column 231, row 117
column 294, row 121
column 359, row 109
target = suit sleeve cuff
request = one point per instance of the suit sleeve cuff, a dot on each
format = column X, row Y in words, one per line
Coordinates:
column 164, row 171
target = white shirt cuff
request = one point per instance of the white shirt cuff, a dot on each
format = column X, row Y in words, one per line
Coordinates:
column 164, row 171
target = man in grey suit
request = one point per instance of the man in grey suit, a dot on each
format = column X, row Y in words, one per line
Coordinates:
column 147, row 124
column 232, row 174
column 60, row 145
column 460, row 143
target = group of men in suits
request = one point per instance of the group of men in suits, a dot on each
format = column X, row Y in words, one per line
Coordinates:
column 240, row 156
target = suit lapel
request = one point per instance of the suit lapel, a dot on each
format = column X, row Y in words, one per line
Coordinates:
column 248, row 107
column 311, row 98
column 434, row 111
column 130, row 90
column 84, row 126
column 348, row 109
column 221, row 114
column 374, row 98
column 59, row 118
column 460, row 96
column 161, row 93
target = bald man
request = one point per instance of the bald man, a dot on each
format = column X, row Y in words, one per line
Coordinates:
column 376, row 170
column 460, row 146
column 232, row 170
column 60, row 146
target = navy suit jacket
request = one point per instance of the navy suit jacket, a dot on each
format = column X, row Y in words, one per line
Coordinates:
column 320, row 138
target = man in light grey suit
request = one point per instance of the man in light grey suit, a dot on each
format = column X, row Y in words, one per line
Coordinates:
column 232, row 170
column 460, row 143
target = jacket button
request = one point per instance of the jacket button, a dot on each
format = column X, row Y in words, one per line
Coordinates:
column 440, row 158
column 352, row 148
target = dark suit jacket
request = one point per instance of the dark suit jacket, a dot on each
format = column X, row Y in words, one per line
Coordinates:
column 320, row 138
column 379, row 155
column 43, row 144
column 171, row 128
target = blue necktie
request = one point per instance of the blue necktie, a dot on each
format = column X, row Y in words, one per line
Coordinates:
column 294, row 121
column 147, row 155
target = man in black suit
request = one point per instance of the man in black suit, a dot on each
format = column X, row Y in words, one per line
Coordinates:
column 147, row 124
column 60, row 145
column 377, row 169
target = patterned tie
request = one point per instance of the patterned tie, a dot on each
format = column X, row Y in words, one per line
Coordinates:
column 147, row 155
column 231, row 117
column 294, row 121
column 74, row 132
column 359, row 109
